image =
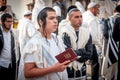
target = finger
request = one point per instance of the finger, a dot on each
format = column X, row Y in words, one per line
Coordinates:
column 66, row 62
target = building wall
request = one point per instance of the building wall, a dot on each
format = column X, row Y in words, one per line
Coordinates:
column 18, row 7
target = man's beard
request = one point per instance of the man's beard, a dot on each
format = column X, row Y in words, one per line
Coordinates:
column 6, row 28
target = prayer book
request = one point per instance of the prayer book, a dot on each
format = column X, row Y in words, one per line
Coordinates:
column 68, row 54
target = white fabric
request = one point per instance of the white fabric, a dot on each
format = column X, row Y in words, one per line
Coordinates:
column 5, row 57
column 58, row 10
column 91, row 4
column 53, row 49
column 62, row 24
column 27, row 12
column 16, row 35
column 26, row 31
column 39, row 5
column 80, row 6
column 94, row 28
column 109, row 7
column 82, row 40
column 34, row 49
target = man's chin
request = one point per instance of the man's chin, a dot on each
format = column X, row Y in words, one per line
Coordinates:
column 7, row 28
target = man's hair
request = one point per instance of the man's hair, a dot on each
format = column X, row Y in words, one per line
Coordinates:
column 43, row 14
column 5, row 16
column 74, row 9
column 71, row 7
column 117, row 8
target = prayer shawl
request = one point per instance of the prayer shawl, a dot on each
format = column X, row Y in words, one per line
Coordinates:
column 22, row 33
column 26, row 31
column 36, row 46
column 109, row 68
column 62, row 24
column 17, row 51
column 82, row 41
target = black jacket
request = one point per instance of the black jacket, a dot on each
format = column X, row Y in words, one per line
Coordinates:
column 116, row 31
column 1, row 40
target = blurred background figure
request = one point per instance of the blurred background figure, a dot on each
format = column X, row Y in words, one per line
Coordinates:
column 8, row 50
column 4, row 8
column 39, row 4
column 80, row 5
column 60, row 8
column 91, row 18
column 26, row 29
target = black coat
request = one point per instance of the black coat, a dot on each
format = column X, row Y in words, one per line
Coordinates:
column 116, row 31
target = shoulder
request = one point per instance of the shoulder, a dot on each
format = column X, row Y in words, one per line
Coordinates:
column 36, row 39
column 33, row 44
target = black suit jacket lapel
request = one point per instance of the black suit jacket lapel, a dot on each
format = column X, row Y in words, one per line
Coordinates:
column 1, row 40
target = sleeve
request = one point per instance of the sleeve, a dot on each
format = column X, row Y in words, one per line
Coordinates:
column 29, row 58
column 86, row 52
column 32, row 52
column 29, row 50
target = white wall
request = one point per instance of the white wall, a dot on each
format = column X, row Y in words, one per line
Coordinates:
column 18, row 6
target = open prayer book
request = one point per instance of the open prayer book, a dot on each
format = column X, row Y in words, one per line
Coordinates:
column 68, row 54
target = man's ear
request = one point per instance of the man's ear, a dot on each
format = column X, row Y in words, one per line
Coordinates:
column 69, row 18
column 40, row 22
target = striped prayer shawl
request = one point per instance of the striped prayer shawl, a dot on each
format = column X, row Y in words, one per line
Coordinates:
column 110, row 60
column 112, row 48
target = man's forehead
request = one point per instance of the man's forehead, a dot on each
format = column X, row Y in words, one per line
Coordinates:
column 9, row 18
column 76, row 13
column 51, row 13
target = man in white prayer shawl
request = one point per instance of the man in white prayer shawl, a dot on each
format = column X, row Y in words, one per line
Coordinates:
column 26, row 29
column 38, row 60
column 77, row 37
column 90, row 17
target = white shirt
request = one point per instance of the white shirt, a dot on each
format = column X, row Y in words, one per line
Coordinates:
column 5, row 57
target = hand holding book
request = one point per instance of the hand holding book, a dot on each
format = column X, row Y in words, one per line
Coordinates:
column 68, row 54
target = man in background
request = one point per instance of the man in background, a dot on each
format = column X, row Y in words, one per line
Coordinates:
column 8, row 50
column 26, row 29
